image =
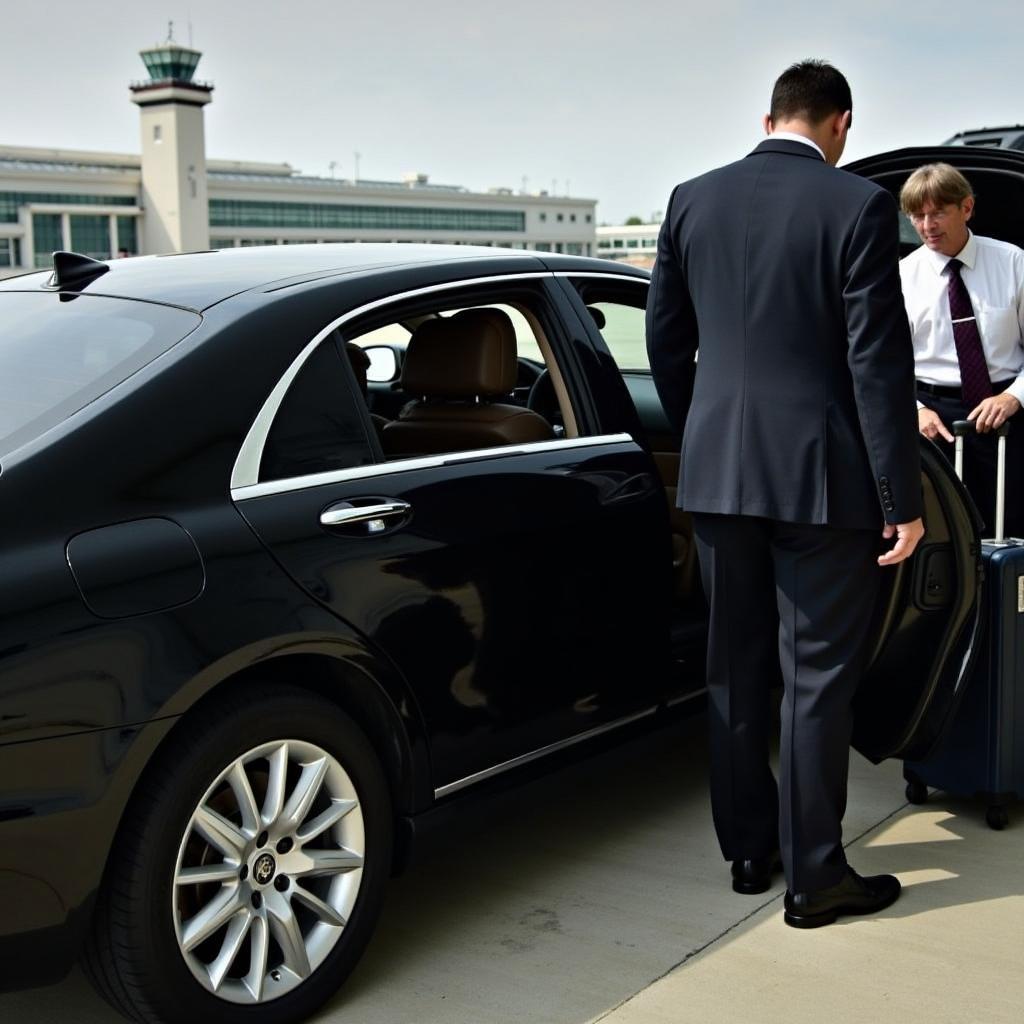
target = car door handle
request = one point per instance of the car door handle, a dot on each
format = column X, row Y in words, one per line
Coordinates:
column 374, row 514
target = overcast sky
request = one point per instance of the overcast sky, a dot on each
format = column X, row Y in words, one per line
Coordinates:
column 621, row 99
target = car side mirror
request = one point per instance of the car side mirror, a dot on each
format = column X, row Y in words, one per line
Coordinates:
column 383, row 364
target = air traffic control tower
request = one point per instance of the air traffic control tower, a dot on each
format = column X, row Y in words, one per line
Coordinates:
column 173, row 150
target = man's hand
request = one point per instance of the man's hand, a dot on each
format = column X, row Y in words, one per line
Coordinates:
column 930, row 424
column 907, row 537
column 993, row 412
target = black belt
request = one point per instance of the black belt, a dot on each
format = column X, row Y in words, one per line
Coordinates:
column 948, row 391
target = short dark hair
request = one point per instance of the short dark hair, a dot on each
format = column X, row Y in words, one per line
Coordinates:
column 811, row 91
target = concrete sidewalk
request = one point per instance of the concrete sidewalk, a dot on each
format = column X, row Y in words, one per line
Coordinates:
column 598, row 894
column 950, row 951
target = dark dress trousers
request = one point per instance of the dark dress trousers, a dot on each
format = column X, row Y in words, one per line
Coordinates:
column 799, row 438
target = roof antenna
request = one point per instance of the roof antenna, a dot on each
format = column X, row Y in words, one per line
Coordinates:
column 170, row 31
column 72, row 270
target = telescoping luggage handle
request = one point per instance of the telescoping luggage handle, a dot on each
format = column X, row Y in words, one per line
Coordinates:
column 961, row 428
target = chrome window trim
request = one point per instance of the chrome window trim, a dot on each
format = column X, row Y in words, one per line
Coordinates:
column 300, row 483
column 609, row 275
column 245, row 471
column 533, row 755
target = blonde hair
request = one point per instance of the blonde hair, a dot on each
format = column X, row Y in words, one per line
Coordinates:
column 940, row 184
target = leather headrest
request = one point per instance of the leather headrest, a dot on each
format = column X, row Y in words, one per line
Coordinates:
column 598, row 315
column 470, row 354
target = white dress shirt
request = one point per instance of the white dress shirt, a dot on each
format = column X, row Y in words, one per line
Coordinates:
column 993, row 273
column 793, row 137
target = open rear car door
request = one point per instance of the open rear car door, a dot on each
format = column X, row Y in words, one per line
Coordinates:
column 927, row 623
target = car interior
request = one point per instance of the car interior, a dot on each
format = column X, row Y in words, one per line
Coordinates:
column 430, row 367
column 446, row 380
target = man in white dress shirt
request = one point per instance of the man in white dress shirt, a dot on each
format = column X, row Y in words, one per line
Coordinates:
column 965, row 300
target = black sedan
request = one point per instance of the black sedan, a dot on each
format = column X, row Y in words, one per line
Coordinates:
column 299, row 544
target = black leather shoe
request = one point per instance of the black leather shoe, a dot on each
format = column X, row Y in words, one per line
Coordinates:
column 755, row 875
column 853, row 895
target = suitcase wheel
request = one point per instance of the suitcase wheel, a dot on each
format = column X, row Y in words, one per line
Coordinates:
column 997, row 817
column 917, row 791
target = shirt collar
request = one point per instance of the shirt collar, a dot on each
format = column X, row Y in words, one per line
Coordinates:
column 793, row 137
column 968, row 255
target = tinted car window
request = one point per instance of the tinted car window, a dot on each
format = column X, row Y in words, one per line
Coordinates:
column 319, row 426
column 58, row 356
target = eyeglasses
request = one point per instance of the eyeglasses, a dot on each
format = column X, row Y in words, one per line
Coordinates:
column 939, row 215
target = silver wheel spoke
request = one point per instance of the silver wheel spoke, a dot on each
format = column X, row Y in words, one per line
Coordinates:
column 324, row 911
column 284, row 926
column 274, row 800
column 222, row 872
column 305, row 792
column 230, row 947
column 239, row 783
column 230, row 913
column 220, row 833
column 214, row 915
column 257, row 975
column 329, row 862
column 325, row 820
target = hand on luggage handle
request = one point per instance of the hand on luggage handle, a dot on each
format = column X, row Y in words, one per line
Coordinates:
column 961, row 428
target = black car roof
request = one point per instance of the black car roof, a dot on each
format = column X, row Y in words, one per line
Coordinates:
column 1007, row 136
column 965, row 158
column 198, row 280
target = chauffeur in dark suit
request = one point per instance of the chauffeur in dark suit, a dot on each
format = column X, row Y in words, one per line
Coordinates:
column 800, row 454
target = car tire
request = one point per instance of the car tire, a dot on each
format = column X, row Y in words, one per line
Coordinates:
column 295, row 871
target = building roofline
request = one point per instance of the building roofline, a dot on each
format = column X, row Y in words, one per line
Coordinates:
column 274, row 176
column 88, row 157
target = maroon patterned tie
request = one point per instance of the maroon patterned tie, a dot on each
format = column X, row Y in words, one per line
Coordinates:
column 975, row 383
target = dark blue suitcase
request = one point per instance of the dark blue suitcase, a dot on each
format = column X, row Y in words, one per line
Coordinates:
column 981, row 753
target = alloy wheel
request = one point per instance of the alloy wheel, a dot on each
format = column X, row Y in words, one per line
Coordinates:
column 268, row 871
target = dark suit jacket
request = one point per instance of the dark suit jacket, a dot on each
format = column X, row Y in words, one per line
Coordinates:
column 800, row 408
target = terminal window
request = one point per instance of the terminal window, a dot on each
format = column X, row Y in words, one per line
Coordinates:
column 256, row 213
column 10, row 252
column 11, row 201
column 127, row 238
column 47, row 237
column 90, row 235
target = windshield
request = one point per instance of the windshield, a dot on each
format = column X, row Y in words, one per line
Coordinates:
column 56, row 355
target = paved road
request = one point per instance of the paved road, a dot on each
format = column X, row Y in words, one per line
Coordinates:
column 551, row 903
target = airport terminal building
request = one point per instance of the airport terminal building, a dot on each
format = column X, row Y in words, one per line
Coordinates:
column 628, row 243
column 170, row 198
